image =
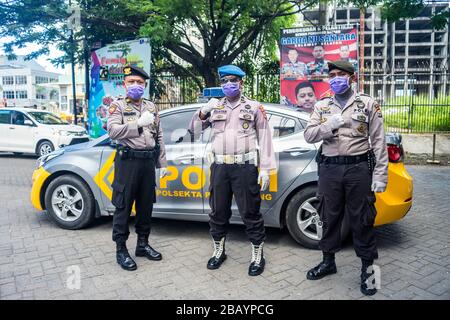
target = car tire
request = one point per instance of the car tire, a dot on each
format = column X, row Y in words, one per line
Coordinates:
column 44, row 147
column 302, row 209
column 70, row 202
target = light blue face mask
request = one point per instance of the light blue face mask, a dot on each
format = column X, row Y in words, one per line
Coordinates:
column 340, row 84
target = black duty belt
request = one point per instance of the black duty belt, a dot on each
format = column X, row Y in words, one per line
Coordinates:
column 128, row 153
column 345, row 159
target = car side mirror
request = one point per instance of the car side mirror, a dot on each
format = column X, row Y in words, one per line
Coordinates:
column 28, row 123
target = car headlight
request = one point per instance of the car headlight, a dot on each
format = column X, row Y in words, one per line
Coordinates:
column 42, row 160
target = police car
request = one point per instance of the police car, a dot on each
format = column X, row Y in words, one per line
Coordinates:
column 74, row 183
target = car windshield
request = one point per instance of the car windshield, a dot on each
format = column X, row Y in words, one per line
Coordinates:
column 47, row 118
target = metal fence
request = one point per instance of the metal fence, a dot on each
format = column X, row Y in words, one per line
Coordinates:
column 411, row 103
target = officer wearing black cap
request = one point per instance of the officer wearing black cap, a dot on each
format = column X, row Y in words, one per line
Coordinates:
column 352, row 166
column 133, row 122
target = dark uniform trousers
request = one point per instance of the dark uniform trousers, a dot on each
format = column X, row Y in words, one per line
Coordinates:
column 240, row 180
column 346, row 189
column 134, row 180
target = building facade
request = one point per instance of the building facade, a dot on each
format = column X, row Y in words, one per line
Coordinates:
column 25, row 83
column 400, row 58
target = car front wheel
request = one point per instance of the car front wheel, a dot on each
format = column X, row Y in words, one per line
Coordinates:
column 70, row 202
column 44, row 147
column 303, row 221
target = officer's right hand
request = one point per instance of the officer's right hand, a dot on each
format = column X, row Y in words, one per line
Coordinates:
column 336, row 121
column 207, row 108
column 146, row 119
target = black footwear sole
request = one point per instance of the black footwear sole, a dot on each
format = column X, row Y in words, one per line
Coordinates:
column 322, row 276
column 127, row 269
column 368, row 292
column 149, row 258
column 254, row 274
column 217, row 266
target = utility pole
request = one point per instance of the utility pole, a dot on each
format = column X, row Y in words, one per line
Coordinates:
column 73, row 22
column 362, row 14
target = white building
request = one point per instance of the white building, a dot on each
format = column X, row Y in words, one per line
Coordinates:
column 25, row 83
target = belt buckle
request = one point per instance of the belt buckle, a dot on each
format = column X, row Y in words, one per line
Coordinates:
column 228, row 159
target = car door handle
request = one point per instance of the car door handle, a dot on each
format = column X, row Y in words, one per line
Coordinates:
column 297, row 151
column 186, row 159
column 12, row 128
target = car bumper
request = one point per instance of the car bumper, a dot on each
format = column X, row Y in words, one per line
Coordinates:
column 38, row 179
column 71, row 140
column 396, row 201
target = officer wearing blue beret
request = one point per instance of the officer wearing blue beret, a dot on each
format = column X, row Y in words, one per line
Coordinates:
column 239, row 125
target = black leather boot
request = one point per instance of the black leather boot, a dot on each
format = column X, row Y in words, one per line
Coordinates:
column 143, row 249
column 368, row 285
column 123, row 258
column 258, row 262
column 326, row 267
column 218, row 256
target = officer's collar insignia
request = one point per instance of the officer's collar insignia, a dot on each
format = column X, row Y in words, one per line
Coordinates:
column 127, row 71
column 245, row 125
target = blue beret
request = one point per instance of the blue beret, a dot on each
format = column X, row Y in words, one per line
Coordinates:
column 231, row 70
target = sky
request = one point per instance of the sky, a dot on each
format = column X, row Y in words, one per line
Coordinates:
column 42, row 60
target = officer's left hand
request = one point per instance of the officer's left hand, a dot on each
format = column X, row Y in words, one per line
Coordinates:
column 163, row 172
column 264, row 179
column 378, row 186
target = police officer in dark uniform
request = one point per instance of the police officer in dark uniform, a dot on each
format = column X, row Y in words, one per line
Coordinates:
column 133, row 122
column 353, row 165
column 239, row 126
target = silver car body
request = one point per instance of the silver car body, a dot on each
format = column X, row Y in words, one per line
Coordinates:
column 183, row 194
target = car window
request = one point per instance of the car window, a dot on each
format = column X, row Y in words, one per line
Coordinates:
column 175, row 127
column 5, row 117
column 47, row 118
column 282, row 126
column 18, row 118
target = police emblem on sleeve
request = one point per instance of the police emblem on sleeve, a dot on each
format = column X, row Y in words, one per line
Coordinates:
column 245, row 125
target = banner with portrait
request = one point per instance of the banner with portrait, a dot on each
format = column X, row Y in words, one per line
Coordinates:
column 107, row 78
column 304, row 56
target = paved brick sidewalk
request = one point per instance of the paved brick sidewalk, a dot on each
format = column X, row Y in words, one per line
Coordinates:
column 35, row 254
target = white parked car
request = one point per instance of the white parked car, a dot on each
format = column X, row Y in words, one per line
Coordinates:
column 40, row 132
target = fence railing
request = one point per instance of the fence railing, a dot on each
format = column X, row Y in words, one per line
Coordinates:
column 411, row 103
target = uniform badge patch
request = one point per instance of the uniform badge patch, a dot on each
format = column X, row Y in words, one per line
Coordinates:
column 219, row 107
column 128, row 109
column 361, row 117
column 362, row 128
column 131, row 119
column 247, row 116
column 245, row 125
column 325, row 108
column 247, row 106
column 112, row 109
